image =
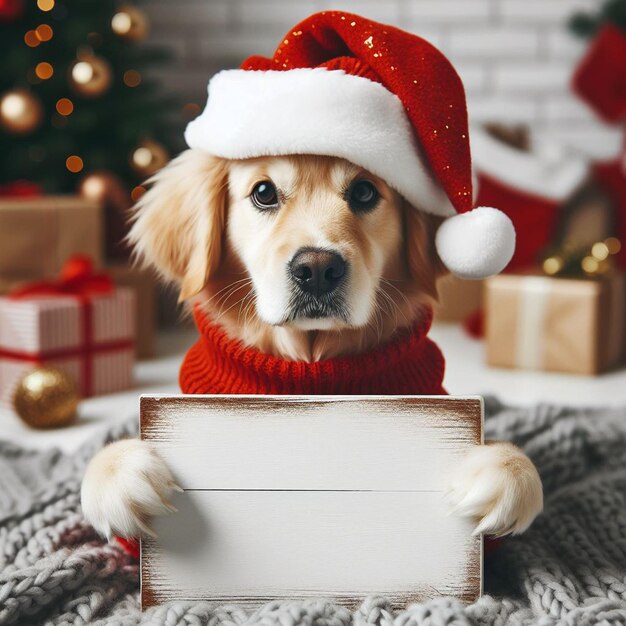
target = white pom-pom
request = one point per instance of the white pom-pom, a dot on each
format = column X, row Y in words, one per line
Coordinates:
column 476, row 244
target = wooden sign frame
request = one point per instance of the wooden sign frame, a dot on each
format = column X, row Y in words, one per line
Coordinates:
column 293, row 497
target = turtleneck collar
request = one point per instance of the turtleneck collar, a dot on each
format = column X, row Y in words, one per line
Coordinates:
column 216, row 364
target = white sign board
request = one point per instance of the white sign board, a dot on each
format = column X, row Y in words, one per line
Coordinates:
column 297, row 497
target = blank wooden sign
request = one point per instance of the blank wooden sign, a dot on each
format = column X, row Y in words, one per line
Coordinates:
column 299, row 497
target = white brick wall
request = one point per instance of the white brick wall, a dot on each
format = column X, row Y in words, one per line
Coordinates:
column 515, row 56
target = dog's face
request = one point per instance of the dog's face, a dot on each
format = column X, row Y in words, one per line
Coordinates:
column 281, row 246
column 316, row 235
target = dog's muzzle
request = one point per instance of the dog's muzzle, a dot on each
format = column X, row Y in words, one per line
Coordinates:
column 317, row 277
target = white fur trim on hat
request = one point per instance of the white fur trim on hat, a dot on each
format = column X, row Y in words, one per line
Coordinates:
column 476, row 244
column 317, row 111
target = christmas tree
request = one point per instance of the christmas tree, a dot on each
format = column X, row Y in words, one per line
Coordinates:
column 587, row 24
column 74, row 98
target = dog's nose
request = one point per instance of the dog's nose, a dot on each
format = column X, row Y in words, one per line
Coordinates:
column 316, row 271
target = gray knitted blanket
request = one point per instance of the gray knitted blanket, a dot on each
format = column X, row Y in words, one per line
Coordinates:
column 570, row 568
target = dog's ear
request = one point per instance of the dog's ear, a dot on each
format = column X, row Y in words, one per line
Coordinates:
column 179, row 222
column 423, row 262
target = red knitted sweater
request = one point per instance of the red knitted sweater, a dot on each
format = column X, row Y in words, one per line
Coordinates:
column 411, row 364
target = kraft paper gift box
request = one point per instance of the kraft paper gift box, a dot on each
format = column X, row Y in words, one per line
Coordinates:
column 457, row 299
column 91, row 337
column 143, row 282
column 38, row 234
column 572, row 325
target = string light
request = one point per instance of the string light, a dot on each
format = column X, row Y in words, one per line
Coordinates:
column 600, row 251
column 132, row 78
column 44, row 70
column 31, row 39
column 594, row 260
column 553, row 265
column 74, row 163
column 65, row 106
column 44, row 32
column 590, row 265
column 45, row 5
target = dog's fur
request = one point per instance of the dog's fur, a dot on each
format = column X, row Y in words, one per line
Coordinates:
column 199, row 228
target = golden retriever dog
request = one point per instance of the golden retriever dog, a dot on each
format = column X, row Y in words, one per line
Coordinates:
column 307, row 258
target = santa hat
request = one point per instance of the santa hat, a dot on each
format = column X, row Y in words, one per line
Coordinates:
column 344, row 86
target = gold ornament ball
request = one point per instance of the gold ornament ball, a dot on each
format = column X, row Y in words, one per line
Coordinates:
column 130, row 23
column 148, row 157
column 20, row 111
column 46, row 397
column 106, row 188
column 90, row 76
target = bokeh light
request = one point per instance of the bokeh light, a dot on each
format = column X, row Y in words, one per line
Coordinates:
column 64, row 106
column 44, row 70
column 132, row 78
column 121, row 23
column 45, row 5
column 74, row 163
column 44, row 32
column 31, row 39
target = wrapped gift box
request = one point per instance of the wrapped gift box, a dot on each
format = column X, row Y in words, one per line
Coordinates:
column 91, row 338
column 573, row 325
column 38, row 234
column 143, row 282
column 457, row 299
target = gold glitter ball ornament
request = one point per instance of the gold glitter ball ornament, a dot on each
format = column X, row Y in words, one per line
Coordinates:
column 21, row 112
column 90, row 76
column 130, row 23
column 46, row 397
column 106, row 188
column 148, row 158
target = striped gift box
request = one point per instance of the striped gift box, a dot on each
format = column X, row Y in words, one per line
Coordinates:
column 92, row 339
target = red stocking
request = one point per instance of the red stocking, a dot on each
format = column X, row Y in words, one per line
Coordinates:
column 600, row 79
column 534, row 217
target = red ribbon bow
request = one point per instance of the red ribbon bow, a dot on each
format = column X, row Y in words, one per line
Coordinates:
column 78, row 280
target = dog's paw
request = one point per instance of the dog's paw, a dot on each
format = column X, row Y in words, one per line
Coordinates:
column 498, row 486
column 125, row 485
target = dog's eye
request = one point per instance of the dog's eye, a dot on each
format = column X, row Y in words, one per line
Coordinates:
column 362, row 196
column 264, row 195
